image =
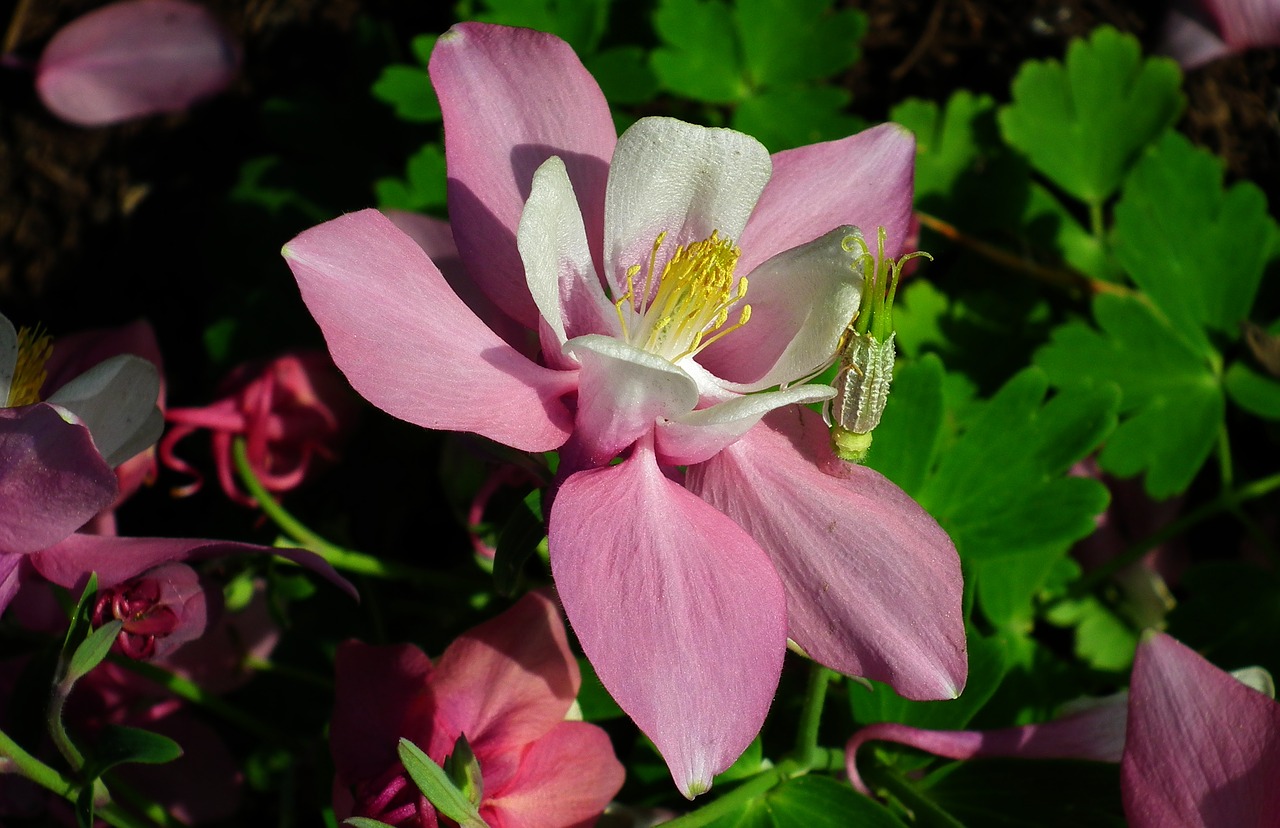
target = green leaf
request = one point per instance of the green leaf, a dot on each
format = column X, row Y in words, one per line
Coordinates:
column 791, row 117
column 1254, row 392
column 750, row 763
column 1172, row 404
column 463, row 769
column 1196, row 249
column 772, row 30
column 79, row 627
column 365, row 822
column 810, row 802
column 580, row 22
column 593, row 700
column 118, row 745
column 1083, row 124
column 92, row 650
column 1049, row 225
column 517, row 542
column 964, row 172
column 624, row 74
column 408, row 89
column 436, row 786
column 699, row 58
column 1104, row 639
column 1001, row 493
column 907, row 439
column 424, row 186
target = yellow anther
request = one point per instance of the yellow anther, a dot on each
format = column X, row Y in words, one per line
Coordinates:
column 34, row 350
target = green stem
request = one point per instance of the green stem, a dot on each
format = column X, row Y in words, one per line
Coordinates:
column 1227, row 501
column 341, row 559
column 57, row 729
column 733, row 801
column 806, row 752
column 1096, row 225
column 13, row 759
column 1224, row 457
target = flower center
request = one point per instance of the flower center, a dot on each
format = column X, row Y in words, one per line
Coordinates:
column 136, row 604
column 689, row 307
column 394, row 799
column 34, row 350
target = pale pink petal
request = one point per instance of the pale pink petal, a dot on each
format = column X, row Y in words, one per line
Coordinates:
column 375, row 691
column 557, row 262
column 1189, row 36
column 873, row 583
column 52, row 479
column 512, row 98
column 681, row 179
column 677, row 608
column 865, row 180
column 182, row 592
column 508, row 681
column 565, row 779
column 135, row 58
column 1095, row 733
column 435, row 237
column 623, row 390
column 699, row 435
column 9, row 580
column 801, row 300
column 1247, row 23
column 116, row 399
column 1202, row 749
column 117, row 559
column 410, row 346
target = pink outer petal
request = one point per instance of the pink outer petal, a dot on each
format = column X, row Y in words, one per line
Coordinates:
column 435, row 237
column 1201, row 748
column 873, row 583
column 679, row 611
column 1247, row 23
column 506, row 682
column 865, row 180
column 410, row 346
column 1189, row 37
column 181, row 591
column 1095, row 734
column 511, row 99
column 136, row 58
column 375, row 689
column 118, row 559
column 565, row 779
column 52, row 478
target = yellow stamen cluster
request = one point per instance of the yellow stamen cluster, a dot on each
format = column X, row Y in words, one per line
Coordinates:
column 34, row 350
column 691, row 303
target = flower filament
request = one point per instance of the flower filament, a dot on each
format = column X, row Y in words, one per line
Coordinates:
column 690, row 306
column 34, row 350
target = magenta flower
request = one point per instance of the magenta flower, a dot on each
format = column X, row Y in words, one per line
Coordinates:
column 507, row 685
column 135, row 58
column 1199, row 31
column 626, row 258
column 1196, row 746
column 289, row 410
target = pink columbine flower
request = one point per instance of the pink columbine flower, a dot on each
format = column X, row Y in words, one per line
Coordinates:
column 289, row 410
column 58, row 446
column 626, row 257
column 1199, row 31
column 507, row 686
column 1196, row 746
column 135, row 58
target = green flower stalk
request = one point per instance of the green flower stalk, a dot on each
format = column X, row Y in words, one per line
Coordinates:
column 866, row 353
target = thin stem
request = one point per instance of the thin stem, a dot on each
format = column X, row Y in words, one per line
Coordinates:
column 1058, row 277
column 1097, row 227
column 341, row 559
column 806, row 752
column 880, row 778
column 16, row 22
column 13, row 759
column 1224, row 457
column 1227, row 501
column 58, row 730
column 734, row 800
